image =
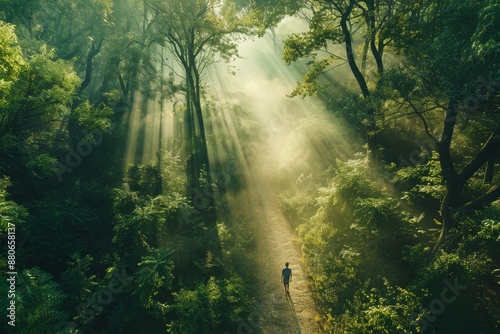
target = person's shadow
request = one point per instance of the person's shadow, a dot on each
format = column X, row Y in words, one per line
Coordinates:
column 290, row 301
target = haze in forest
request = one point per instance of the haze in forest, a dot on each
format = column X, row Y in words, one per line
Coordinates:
column 161, row 161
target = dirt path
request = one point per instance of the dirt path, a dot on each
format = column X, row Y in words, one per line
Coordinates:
column 260, row 86
column 275, row 244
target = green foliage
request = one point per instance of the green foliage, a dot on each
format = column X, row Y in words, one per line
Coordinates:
column 129, row 241
column 77, row 282
column 264, row 15
column 125, row 201
column 308, row 45
column 366, row 245
column 376, row 212
column 145, row 179
column 96, row 119
column 351, row 108
column 486, row 38
column 154, row 275
column 62, row 65
column 467, row 273
column 397, row 82
column 388, row 310
column 302, row 45
column 34, row 90
column 85, row 22
column 11, row 60
column 425, row 33
column 354, row 246
column 311, row 84
column 350, row 181
column 42, row 166
column 57, row 228
column 298, row 206
column 40, row 303
column 421, row 183
column 173, row 174
column 194, row 32
column 236, row 243
column 214, row 306
column 10, row 212
column 39, row 96
column 482, row 237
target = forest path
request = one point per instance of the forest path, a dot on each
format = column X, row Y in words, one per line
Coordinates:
column 275, row 244
column 260, row 130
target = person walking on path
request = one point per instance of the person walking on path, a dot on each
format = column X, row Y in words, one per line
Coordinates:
column 286, row 276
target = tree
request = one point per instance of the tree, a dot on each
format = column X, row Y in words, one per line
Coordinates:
column 450, row 71
column 85, row 25
column 194, row 33
column 131, row 58
column 35, row 91
column 21, row 11
column 267, row 14
column 340, row 22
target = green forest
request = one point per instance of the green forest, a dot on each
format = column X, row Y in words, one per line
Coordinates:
column 161, row 161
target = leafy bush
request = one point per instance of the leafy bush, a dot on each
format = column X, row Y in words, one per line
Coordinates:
column 214, row 306
column 10, row 212
column 236, row 243
column 39, row 303
column 145, row 179
column 388, row 310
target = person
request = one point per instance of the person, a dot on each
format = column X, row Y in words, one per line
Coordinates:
column 286, row 276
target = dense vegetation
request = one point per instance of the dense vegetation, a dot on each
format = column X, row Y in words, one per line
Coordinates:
column 402, row 237
column 388, row 234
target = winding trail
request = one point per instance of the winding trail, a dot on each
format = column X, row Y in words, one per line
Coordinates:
column 275, row 244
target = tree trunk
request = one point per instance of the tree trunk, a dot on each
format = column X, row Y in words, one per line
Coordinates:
column 455, row 182
column 377, row 54
column 88, row 69
column 191, row 167
column 73, row 127
column 490, row 169
column 370, row 113
column 365, row 55
column 450, row 199
column 448, row 207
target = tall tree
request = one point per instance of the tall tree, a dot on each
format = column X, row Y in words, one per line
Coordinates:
column 194, row 33
column 451, row 52
column 346, row 23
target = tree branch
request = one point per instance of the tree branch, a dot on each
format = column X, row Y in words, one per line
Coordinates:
column 492, row 195
column 448, row 169
column 489, row 149
column 424, row 121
